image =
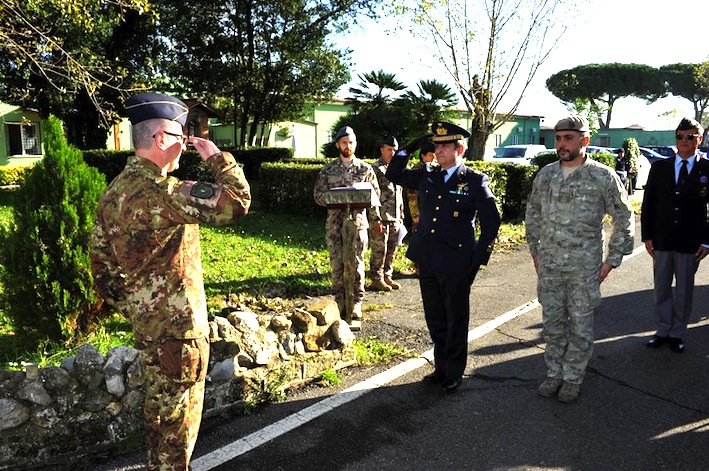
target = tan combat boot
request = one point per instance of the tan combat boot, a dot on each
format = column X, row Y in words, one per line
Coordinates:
column 550, row 387
column 380, row 285
column 569, row 392
column 393, row 284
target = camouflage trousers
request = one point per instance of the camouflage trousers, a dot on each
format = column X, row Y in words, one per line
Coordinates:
column 383, row 247
column 337, row 265
column 568, row 302
column 174, row 372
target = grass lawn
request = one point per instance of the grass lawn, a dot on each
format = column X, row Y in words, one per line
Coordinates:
column 261, row 257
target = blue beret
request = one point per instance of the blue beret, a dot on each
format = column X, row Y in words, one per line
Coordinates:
column 156, row 106
column 448, row 132
column 391, row 141
column 345, row 131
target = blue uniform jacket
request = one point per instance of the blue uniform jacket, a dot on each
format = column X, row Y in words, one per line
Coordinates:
column 445, row 238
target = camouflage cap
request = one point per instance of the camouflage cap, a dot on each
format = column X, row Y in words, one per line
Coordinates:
column 573, row 123
column 156, row 106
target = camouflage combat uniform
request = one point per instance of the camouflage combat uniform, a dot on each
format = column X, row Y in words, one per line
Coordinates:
column 391, row 212
column 336, row 174
column 564, row 225
column 146, row 262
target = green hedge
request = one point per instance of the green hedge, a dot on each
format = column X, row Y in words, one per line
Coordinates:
column 110, row 162
column 288, row 186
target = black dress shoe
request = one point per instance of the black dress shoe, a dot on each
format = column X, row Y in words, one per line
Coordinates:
column 435, row 377
column 656, row 341
column 451, row 384
column 677, row 345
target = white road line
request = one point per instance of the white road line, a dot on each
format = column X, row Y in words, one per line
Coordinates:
column 229, row 452
column 275, row 430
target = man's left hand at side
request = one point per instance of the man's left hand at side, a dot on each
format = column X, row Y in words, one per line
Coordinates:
column 702, row 252
column 472, row 272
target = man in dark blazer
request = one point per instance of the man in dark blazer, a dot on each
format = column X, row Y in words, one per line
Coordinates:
column 444, row 245
column 675, row 230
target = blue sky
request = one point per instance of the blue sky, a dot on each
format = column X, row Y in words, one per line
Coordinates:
column 639, row 31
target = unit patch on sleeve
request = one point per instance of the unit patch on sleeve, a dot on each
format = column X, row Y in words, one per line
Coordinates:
column 202, row 190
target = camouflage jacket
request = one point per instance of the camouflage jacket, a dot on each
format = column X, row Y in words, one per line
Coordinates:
column 391, row 196
column 335, row 174
column 564, row 219
column 145, row 250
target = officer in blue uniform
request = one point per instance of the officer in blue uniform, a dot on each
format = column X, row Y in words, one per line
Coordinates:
column 444, row 246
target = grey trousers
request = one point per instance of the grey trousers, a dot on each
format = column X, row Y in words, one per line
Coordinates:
column 673, row 308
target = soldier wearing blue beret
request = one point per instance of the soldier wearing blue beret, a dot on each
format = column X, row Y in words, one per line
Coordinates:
column 146, row 262
column 444, row 245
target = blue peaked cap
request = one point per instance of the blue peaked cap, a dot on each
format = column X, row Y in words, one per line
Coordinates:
column 156, row 106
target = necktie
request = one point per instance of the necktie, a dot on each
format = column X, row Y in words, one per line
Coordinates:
column 682, row 179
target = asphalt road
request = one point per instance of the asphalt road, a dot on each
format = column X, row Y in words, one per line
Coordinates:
column 640, row 409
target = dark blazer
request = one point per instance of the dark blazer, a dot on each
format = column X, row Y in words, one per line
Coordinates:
column 676, row 220
column 445, row 237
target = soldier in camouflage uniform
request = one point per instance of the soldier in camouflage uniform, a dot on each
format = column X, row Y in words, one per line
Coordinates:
column 342, row 172
column 384, row 236
column 146, row 261
column 564, row 226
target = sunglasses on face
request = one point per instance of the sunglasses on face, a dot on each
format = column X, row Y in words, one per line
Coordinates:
column 686, row 137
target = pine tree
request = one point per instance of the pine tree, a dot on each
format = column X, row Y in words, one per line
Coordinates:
column 47, row 286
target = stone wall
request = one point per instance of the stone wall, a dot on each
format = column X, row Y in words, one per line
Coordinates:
column 51, row 417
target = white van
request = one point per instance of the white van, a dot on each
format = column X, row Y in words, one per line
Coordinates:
column 518, row 154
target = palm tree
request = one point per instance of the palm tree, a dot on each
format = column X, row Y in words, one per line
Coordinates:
column 380, row 82
column 430, row 104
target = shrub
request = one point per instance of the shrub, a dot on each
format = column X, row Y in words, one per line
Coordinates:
column 511, row 185
column 109, row 162
column 543, row 159
column 253, row 159
column 13, row 175
column 287, row 187
column 46, row 271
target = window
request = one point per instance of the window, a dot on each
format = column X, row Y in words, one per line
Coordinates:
column 603, row 141
column 23, row 139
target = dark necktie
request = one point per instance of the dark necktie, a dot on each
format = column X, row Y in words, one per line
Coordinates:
column 440, row 176
column 682, row 179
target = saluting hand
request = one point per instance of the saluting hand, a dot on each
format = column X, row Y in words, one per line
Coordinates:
column 205, row 147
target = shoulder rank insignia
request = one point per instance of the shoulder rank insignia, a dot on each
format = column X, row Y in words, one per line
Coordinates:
column 202, row 190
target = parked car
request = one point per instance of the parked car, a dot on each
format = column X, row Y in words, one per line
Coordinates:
column 666, row 151
column 653, row 156
column 518, row 154
column 599, row 150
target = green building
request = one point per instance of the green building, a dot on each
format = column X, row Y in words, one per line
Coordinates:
column 20, row 136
